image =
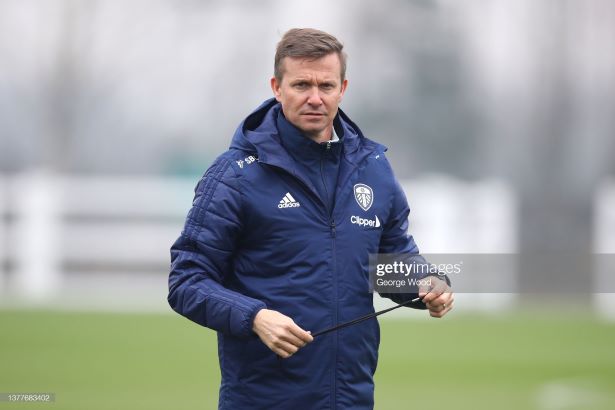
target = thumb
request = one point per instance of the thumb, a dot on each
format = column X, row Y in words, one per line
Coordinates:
column 423, row 290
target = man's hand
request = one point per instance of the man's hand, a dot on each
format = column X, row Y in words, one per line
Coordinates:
column 280, row 333
column 438, row 297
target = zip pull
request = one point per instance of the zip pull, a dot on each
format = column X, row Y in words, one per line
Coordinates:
column 332, row 225
column 328, row 145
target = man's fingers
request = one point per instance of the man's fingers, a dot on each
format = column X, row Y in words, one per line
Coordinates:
column 438, row 298
column 428, row 293
column 441, row 303
column 440, row 313
column 285, row 349
column 290, row 334
column 423, row 291
column 302, row 335
column 290, row 337
column 289, row 343
column 439, row 306
column 443, row 300
column 280, row 333
column 439, row 310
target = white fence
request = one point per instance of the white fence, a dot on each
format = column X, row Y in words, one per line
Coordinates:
column 449, row 216
column 100, row 242
column 103, row 242
column 604, row 242
column 3, row 240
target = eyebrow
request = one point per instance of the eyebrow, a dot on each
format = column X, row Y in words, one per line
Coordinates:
column 305, row 80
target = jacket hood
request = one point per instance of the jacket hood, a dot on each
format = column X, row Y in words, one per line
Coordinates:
column 258, row 132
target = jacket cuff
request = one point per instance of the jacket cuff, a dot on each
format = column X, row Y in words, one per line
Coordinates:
column 248, row 321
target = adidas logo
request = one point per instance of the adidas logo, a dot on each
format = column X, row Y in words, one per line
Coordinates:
column 288, row 202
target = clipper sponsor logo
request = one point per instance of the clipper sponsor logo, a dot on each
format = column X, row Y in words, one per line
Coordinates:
column 288, row 202
column 364, row 222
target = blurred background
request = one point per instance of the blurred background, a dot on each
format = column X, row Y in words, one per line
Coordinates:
column 500, row 121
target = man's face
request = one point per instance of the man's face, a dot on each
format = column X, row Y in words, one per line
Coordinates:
column 310, row 92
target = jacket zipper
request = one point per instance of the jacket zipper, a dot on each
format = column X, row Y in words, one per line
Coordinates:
column 336, row 313
column 324, row 183
column 333, row 232
column 333, row 272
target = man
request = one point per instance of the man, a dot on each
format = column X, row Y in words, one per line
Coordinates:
column 276, row 244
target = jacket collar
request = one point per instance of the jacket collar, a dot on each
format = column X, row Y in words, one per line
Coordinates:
column 301, row 147
column 259, row 133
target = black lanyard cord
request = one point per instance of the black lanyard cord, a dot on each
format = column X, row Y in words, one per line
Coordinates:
column 363, row 318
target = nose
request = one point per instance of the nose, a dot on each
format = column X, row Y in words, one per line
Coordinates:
column 314, row 98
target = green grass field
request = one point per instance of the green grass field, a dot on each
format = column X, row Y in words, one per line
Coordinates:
column 129, row 361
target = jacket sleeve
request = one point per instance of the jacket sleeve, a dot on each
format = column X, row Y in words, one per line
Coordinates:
column 396, row 239
column 201, row 257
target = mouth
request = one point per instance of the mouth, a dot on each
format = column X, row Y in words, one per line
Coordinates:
column 313, row 114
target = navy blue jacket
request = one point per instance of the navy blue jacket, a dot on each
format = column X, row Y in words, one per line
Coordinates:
column 259, row 235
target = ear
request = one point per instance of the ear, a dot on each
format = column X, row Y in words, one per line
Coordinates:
column 343, row 90
column 275, row 87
